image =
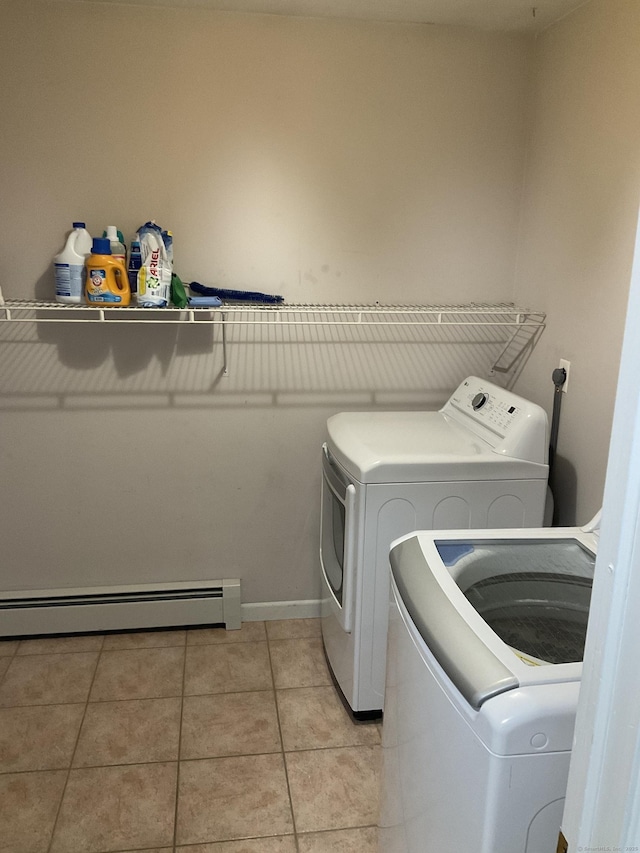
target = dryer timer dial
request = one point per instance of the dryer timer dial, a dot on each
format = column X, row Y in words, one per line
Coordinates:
column 479, row 400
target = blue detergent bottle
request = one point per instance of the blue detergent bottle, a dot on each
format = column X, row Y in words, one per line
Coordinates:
column 135, row 262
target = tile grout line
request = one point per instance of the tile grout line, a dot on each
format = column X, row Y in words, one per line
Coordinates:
column 78, row 651
column 11, row 657
column 136, row 850
column 96, row 701
column 170, row 761
column 284, row 757
column 184, row 678
column 73, row 754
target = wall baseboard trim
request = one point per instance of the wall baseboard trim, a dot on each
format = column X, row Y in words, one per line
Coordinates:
column 270, row 610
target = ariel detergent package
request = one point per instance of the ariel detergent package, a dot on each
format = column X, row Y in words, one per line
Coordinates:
column 154, row 275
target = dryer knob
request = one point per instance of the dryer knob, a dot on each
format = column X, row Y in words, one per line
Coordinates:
column 479, row 400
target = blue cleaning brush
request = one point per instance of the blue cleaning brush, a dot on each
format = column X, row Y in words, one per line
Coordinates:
column 236, row 295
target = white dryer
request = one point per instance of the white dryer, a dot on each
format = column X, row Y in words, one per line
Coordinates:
column 481, row 461
column 486, row 638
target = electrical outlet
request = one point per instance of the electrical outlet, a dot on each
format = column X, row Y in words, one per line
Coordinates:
column 567, row 369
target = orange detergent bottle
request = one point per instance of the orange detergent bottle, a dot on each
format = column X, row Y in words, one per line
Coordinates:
column 107, row 280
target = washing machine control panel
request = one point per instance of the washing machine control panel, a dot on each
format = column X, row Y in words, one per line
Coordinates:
column 511, row 424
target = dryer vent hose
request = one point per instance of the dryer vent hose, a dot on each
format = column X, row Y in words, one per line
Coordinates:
column 559, row 377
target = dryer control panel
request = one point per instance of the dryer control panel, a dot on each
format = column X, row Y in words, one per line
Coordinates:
column 512, row 425
column 497, row 413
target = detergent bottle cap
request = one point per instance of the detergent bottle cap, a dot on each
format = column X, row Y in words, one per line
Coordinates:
column 112, row 232
column 79, row 225
column 101, row 246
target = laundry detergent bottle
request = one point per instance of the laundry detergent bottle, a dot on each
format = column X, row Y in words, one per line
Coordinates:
column 118, row 249
column 107, row 280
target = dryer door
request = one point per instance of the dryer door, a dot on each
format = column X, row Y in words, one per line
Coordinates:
column 338, row 538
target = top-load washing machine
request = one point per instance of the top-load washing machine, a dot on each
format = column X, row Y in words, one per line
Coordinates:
column 481, row 461
column 486, row 639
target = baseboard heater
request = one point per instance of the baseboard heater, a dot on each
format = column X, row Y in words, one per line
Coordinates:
column 122, row 608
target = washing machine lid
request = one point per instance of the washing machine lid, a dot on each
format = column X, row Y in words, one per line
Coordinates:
column 419, row 447
column 499, row 609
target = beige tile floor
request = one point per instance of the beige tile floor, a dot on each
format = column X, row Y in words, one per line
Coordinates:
column 197, row 741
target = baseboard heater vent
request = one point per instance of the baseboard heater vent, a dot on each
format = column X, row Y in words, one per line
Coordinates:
column 123, row 608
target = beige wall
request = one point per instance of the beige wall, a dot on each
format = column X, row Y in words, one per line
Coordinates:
column 324, row 160
column 579, row 212
column 317, row 158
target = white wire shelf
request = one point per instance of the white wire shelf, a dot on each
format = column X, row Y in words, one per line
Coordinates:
column 503, row 314
column 514, row 330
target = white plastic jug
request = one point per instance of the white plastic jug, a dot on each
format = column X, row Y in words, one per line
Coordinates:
column 118, row 249
column 70, row 268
